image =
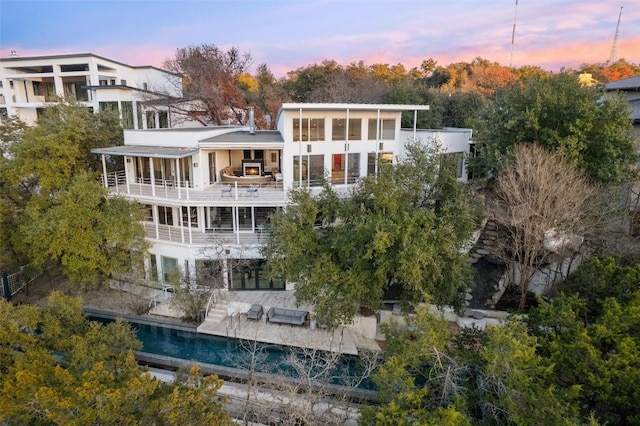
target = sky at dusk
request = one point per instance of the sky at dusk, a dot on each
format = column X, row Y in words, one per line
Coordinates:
column 289, row 34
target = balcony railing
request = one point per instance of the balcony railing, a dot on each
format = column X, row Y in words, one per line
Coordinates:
column 173, row 190
column 187, row 235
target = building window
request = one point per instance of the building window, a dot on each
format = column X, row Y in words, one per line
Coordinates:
column 353, row 167
column 153, row 268
column 338, row 129
column 145, row 86
column 163, row 120
column 245, row 218
column 151, row 120
column 147, row 212
column 37, row 91
column 383, row 158
column 165, row 215
column 312, row 170
column 127, row 115
column 170, row 271
column 387, row 129
column 311, row 129
column 190, row 216
column 251, row 274
column 51, row 91
column 219, row 219
column 139, row 115
column 108, row 106
column 355, row 129
column 123, row 82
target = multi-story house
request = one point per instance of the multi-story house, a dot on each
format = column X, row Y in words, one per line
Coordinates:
column 30, row 84
column 208, row 192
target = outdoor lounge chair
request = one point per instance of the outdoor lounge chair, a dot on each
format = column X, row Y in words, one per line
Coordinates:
column 255, row 313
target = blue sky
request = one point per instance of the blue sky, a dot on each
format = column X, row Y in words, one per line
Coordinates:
column 288, row 34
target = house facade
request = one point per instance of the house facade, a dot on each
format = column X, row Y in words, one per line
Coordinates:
column 30, row 84
column 208, row 192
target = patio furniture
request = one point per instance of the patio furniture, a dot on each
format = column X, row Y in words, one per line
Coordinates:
column 255, row 313
column 225, row 190
column 278, row 177
column 287, row 316
column 252, row 191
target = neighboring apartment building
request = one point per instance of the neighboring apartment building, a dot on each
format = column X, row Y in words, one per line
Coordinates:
column 30, row 84
column 209, row 191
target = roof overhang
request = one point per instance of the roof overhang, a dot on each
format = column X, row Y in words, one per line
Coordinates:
column 146, row 151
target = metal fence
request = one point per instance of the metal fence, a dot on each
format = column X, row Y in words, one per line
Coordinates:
column 19, row 280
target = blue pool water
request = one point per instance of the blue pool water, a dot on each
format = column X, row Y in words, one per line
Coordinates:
column 234, row 353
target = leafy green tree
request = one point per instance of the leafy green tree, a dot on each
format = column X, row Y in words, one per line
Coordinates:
column 598, row 358
column 591, row 131
column 55, row 208
column 400, row 231
column 475, row 377
column 90, row 233
column 58, row 368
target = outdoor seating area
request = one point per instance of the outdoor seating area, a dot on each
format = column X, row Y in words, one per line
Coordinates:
column 255, row 313
column 287, row 316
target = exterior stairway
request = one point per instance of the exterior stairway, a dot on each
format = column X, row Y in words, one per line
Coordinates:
column 217, row 313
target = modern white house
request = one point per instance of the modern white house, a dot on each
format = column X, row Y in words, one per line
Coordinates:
column 30, row 84
column 209, row 191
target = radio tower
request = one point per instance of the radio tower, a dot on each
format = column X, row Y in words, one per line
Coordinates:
column 614, row 48
column 513, row 33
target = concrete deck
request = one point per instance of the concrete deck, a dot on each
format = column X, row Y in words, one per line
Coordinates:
column 340, row 339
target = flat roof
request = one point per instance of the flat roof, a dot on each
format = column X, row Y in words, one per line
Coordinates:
column 146, row 151
column 244, row 139
column 80, row 55
column 362, row 107
column 631, row 83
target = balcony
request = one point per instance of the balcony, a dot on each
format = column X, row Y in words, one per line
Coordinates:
column 186, row 235
column 181, row 193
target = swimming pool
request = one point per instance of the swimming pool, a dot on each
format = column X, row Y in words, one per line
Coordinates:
column 168, row 340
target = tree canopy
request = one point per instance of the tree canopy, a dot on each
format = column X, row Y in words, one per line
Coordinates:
column 592, row 131
column 58, row 368
column 55, row 206
column 399, row 232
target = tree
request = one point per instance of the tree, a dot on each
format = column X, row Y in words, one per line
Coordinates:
column 400, row 231
column 543, row 206
column 557, row 113
column 211, row 79
column 90, row 233
column 41, row 160
column 594, row 350
column 58, row 368
column 474, row 377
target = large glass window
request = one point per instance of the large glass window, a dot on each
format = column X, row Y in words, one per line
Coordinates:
column 37, row 91
column 337, row 168
column 387, row 129
column 219, row 218
column 339, row 129
column 153, row 267
column 127, row 115
column 245, row 218
column 165, row 215
column 383, row 158
column 151, row 120
column 251, row 274
column 108, row 106
column 170, row 271
column 312, row 169
column 353, row 167
column 190, row 216
column 147, row 212
column 163, row 120
column 312, row 129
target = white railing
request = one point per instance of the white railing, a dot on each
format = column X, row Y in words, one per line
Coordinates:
column 211, row 302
